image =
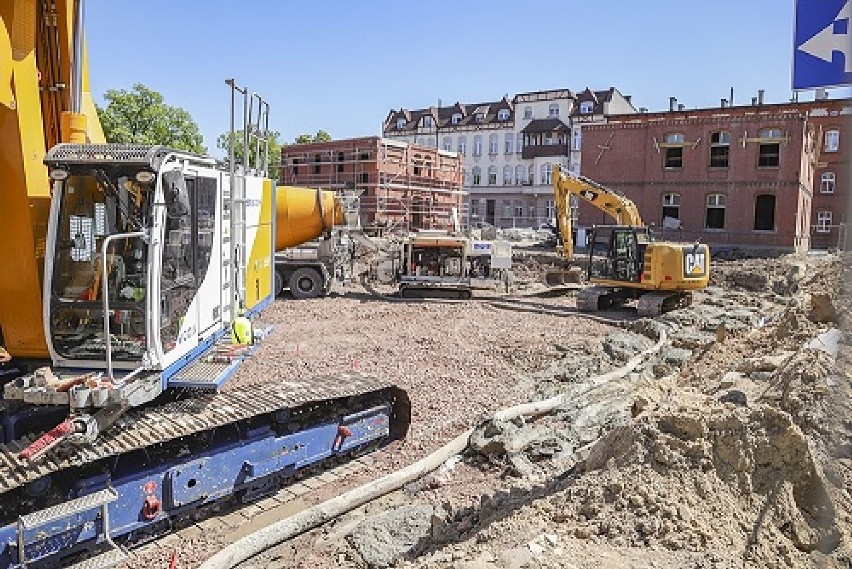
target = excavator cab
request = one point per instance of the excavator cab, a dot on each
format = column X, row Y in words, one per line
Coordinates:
column 617, row 252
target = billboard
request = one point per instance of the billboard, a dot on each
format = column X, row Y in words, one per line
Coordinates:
column 822, row 54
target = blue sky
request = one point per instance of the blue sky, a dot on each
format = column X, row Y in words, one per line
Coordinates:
column 341, row 66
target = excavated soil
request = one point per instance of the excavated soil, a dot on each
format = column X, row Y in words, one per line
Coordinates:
column 729, row 448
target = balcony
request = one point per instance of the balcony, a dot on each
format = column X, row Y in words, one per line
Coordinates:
column 544, row 150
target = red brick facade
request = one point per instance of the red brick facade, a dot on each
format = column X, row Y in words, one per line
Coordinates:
column 400, row 184
column 732, row 177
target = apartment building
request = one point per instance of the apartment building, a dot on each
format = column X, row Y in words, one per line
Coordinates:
column 509, row 146
column 766, row 176
column 399, row 185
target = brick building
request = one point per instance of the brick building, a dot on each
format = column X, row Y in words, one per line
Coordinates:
column 399, row 184
column 745, row 176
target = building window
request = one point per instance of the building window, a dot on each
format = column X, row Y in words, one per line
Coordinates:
column 400, row 124
column 826, row 183
column 548, row 139
column 720, row 148
column 492, row 144
column 364, row 178
column 823, row 222
column 520, row 174
column 587, row 107
column 477, row 176
column 457, row 117
column 479, row 117
column 553, row 110
column 448, row 143
column 507, row 209
column 671, row 208
column 546, row 173
column 510, row 143
column 550, row 210
column 520, row 143
column 832, row 141
column 503, row 115
column 465, row 177
column 577, row 139
column 715, row 217
column 531, row 175
column 764, row 212
column 673, row 155
column 770, row 148
column 340, row 159
column 519, row 208
column 477, row 145
column 296, row 162
column 427, row 121
column 527, row 112
column 507, row 175
column 462, row 144
column 492, row 175
column 317, row 166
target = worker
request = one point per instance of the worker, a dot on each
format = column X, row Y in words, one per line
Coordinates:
column 4, row 355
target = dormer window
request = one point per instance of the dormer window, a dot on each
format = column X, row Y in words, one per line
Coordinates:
column 587, row 107
column 479, row 117
column 427, row 121
column 400, row 124
column 457, row 118
column 503, row 115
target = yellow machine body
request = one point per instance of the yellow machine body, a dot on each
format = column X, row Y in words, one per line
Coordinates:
column 36, row 58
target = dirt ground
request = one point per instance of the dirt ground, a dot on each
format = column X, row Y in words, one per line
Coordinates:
column 731, row 447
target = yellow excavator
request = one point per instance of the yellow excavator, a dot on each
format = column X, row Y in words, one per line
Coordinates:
column 625, row 260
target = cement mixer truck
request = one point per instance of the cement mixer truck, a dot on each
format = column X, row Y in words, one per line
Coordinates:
column 310, row 253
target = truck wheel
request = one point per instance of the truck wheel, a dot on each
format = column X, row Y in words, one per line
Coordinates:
column 305, row 283
column 278, row 283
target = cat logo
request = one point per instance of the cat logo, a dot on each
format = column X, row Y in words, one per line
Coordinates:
column 694, row 262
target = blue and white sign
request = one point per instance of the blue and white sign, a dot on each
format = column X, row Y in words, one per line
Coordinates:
column 823, row 45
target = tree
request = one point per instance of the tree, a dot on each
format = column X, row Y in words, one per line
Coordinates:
column 274, row 151
column 141, row 116
column 320, row 136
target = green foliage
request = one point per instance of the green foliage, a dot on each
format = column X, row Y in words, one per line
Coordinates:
column 222, row 142
column 141, row 116
column 320, row 136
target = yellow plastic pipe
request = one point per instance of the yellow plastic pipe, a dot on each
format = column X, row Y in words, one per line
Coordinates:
column 303, row 214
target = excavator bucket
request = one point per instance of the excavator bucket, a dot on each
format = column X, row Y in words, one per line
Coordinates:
column 563, row 276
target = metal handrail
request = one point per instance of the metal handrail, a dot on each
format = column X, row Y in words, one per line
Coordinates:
column 104, row 268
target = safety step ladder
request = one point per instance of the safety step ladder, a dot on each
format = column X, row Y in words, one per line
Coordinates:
column 100, row 499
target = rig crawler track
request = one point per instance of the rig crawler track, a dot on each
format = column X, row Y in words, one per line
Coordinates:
column 183, row 456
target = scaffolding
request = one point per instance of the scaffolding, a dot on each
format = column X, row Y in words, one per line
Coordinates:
column 400, row 186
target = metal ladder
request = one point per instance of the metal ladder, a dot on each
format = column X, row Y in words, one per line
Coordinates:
column 100, row 499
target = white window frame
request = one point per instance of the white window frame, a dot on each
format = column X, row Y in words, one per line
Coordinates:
column 400, row 124
column 462, row 145
column 509, row 143
column 832, row 140
column 823, row 224
column 528, row 114
column 477, row 176
column 493, row 144
column 520, row 175
column 827, row 183
column 531, row 174
column 553, row 110
column 577, row 139
column 456, row 119
column 448, row 143
column 503, row 115
column 519, row 143
column 587, row 107
column 715, row 201
column 507, row 175
column 477, row 145
column 427, row 121
column 546, row 174
column 492, row 175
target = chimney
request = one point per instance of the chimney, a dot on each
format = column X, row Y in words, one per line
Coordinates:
column 643, row 109
column 672, row 103
column 731, row 99
column 760, row 94
column 754, row 101
column 724, row 103
column 681, row 106
column 628, row 97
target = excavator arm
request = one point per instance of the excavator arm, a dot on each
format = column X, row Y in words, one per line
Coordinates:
column 618, row 206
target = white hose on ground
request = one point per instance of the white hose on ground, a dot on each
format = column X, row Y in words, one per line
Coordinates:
column 301, row 522
column 285, row 529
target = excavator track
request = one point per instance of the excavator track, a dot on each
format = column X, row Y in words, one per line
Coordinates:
column 656, row 303
column 147, row 426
